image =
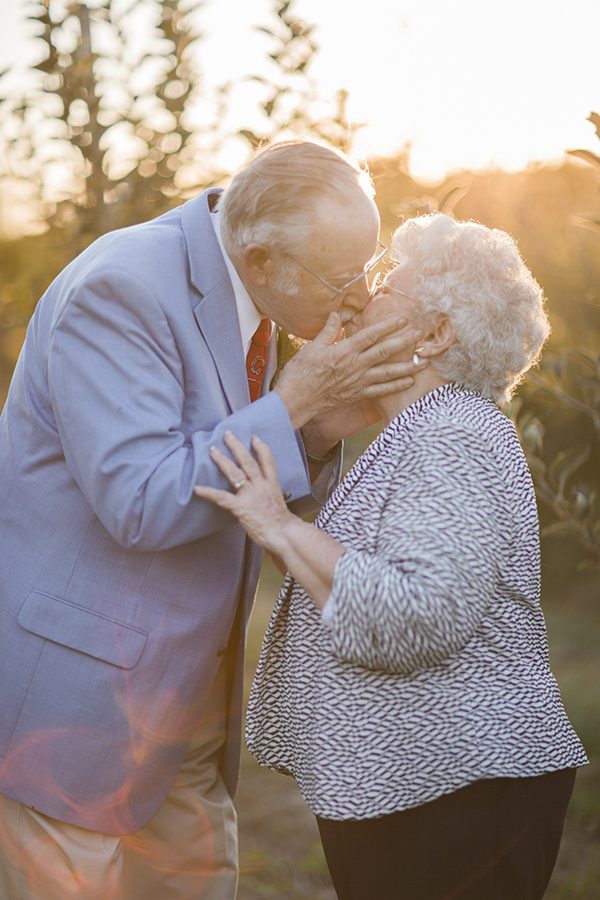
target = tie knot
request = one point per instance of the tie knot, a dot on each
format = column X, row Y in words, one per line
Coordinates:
column 262, row 333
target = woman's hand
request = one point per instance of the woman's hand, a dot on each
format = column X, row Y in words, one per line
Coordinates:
column 258, row 504
column 257, row 501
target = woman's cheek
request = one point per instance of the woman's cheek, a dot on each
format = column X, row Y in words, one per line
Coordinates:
column 380, row 307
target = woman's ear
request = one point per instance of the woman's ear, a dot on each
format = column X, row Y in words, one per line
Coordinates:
column 437, row 339
column 256, row 263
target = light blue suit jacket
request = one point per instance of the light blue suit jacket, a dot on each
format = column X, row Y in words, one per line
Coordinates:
column 120, row 590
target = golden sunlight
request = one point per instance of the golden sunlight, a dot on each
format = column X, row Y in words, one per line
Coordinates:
column 464, row 84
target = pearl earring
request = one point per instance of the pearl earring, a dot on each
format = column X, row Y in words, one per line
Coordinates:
column 416, row 360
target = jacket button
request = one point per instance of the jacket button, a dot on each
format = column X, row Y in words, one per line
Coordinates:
column 222, row 650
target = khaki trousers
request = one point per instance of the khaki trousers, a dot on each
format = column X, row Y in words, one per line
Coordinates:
column 188, row 851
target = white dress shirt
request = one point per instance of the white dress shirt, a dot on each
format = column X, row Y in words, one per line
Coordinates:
column 248, row 315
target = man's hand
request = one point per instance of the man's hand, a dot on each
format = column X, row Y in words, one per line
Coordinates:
column 329, row 373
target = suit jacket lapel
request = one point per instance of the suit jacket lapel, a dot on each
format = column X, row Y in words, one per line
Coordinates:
column 216, row 316
column 215, row 312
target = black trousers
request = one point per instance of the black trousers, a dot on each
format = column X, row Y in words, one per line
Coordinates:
column 495, row 839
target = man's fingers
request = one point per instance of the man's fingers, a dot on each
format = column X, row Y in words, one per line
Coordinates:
column 387, row 387
column 330, row 331
column 392, row 371
column 372, row 334
column 265, row 458
column 406, row 342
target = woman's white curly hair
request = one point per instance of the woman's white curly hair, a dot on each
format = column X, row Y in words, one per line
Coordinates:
column 475, row 276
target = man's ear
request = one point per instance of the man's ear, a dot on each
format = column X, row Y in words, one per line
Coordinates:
column 437, row 339
column 257, row 264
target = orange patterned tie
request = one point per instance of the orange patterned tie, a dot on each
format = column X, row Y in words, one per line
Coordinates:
column 256, row 358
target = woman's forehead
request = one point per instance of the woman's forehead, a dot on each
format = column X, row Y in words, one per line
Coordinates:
column 343, row 236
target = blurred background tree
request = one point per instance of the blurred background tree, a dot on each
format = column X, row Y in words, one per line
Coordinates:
column 291, row 101
column 559, row 417
column 103, row 131
column 100, row 137
column 116, row 125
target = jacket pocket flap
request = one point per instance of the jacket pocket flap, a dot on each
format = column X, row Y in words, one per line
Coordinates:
column 81, row 629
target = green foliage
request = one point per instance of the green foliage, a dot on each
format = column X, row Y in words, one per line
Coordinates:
column 104, row 117
column 115, row 125
column 291, row 102
column 568, row 479
column 564, row 398
column 589, row 156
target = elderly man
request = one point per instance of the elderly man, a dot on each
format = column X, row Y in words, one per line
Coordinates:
column 124, row 597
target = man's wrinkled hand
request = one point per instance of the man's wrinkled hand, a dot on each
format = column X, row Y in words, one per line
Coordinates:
column 330, row 373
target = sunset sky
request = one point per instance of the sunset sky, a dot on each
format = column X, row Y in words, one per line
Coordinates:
column 468, row 83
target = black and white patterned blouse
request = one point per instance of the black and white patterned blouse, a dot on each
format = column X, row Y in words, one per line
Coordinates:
column 431, row 669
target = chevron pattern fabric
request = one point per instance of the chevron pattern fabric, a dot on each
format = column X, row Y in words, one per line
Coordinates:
column 430, row 667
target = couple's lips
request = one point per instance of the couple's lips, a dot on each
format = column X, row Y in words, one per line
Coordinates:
column 350, row 327
column 354, row 324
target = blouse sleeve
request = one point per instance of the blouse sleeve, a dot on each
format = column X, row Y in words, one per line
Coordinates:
column 441, row 542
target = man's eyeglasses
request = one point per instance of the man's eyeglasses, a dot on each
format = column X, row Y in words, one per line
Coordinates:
column 380, row 253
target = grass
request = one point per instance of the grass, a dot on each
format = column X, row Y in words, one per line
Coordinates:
column 281, row 856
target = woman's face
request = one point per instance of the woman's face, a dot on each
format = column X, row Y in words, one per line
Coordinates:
column 392, row 298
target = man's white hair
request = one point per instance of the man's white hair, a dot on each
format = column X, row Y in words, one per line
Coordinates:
column 272, row 198
column 475, row 276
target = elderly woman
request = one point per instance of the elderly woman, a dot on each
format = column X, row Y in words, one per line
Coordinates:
column 404, row 678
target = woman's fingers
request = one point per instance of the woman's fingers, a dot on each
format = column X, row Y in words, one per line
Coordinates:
column 256, row 499
column 372, row 335
column 265, row 458
column 221, row 498
column 234, row 474
column 404, row 341
column 246, row 467
column 242, row 456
